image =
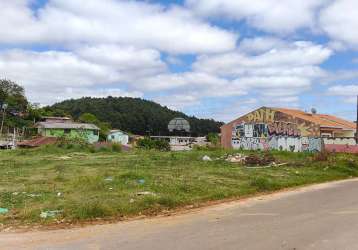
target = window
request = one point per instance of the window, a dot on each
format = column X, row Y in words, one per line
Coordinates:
column 112, row 136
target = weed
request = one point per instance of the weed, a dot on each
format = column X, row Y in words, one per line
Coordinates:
column 177, row 179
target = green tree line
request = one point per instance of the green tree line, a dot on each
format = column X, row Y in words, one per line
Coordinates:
column 132, row 115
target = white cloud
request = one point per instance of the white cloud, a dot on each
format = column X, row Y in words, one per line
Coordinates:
column 139, row 24
column 288, row 69
column 178, row 101
column 269, row 15
column 59, row 75
column 261, row 44
column 290, row 59
column 278, row 74
column 340, row 21
column 52, row 69
column 180, row 80
column 347, row 92
column 128, row 61
column 49, row 97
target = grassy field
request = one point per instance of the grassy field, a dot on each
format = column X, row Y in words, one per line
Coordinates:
column 53, row 185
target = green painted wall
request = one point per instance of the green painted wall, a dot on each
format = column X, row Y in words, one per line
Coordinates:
column 91, row 136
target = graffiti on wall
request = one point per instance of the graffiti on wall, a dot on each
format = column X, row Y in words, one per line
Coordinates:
column 262, row 115
column 282, row 143
column 248, row 143
column 283, row 128
column 270, row 129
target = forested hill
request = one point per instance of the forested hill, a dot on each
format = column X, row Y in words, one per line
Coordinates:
column 134, row 115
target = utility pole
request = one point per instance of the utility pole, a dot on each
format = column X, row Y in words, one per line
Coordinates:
column 3, row 107
column 357, row 123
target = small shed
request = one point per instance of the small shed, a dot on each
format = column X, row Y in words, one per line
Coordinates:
column 118, row 136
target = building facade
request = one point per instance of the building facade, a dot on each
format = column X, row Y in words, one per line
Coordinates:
column 58, row 127
column 118, row 136
column 286, row 129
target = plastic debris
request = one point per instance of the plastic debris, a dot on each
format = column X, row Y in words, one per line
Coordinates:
column 141, row 181
column 206, row 158
column 110, row 178
column 146, row 193
column 64, row 157
column 49, row 214
column 59, row 194
column 3, row 210
column 237, row 158
column 34, row 195
column 131, row 200
column 110, row 188
column 15, row 193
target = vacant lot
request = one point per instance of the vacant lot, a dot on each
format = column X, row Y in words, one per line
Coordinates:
column 53, row 185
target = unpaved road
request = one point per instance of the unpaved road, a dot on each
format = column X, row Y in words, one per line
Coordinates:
column 318, row 217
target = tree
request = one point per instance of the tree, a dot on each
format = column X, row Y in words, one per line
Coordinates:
column 134, row 115
column 103, row 126
column 13, row 95
column 213, row 138
column 13, row 101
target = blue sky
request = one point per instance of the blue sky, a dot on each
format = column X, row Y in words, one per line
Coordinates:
column 214, row 59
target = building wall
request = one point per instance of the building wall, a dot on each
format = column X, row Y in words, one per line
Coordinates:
column 118, row 137
column 336, row 148
column 90, row 136
column 266, row 128
column 339, row 141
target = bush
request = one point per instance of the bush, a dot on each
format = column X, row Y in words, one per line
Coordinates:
column 116, row 147
column 147, row 143
column 70, row 142
column 321, row 156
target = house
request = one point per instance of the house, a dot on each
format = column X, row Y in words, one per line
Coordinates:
column 287, row 129
column 63, row 126
column 118, row 136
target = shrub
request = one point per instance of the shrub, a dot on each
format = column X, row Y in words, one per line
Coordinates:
column 214, row 139
column 71, row 142
column 116, row 147
column 321, row 156
column 147, row 143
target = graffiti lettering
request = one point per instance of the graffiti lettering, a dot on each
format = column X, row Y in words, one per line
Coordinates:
column 285, row 143
column 248, row 144
column 262, row 115
column 283, row 128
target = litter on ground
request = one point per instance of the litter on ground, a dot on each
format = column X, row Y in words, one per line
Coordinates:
column 206, row 158
column 34, row 195
column 237, row 158
column 109, row 179
column 49, row 214
column 64, row 157
column 146, row 193
column 3, row 210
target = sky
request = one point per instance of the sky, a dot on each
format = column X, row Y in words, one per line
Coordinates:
column 209, row 58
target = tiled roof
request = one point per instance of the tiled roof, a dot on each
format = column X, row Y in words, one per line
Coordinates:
column 325, row 121
column 62, row 125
